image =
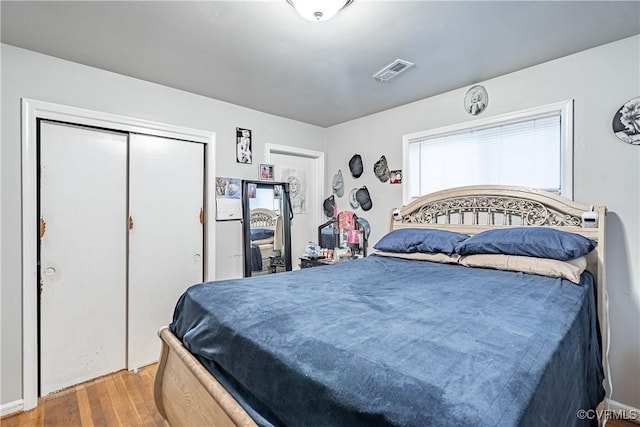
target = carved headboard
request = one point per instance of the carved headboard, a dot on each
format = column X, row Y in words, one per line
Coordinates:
column 474, row 209
column 263, row 218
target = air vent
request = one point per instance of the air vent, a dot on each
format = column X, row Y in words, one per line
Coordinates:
column 392, row 70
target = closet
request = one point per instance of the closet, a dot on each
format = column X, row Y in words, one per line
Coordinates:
column 121, row 237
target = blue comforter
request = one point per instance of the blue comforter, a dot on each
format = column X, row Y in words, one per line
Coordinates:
column 386, row 341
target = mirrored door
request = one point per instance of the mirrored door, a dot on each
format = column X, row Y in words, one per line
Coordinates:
column 266, row 227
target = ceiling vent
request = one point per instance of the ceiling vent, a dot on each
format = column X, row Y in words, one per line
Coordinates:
column 392, row 70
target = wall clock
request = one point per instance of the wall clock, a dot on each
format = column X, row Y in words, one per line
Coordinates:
column 626, row 122
column 476, row 100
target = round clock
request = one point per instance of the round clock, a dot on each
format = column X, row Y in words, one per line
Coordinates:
column 626, row 122
column 476, row 100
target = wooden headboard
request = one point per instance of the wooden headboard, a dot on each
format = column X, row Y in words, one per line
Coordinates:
column 474, row 209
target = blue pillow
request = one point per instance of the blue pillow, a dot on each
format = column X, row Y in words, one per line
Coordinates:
column 528, row 241
column 261, row 233
column 410, row 240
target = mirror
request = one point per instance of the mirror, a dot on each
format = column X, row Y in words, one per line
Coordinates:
column 266, row 227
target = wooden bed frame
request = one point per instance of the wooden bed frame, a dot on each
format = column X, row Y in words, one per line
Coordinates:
column 187, row 394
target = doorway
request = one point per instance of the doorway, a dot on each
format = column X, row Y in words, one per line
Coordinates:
column 303, row 170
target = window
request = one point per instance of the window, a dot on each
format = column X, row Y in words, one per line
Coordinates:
column 531, row 148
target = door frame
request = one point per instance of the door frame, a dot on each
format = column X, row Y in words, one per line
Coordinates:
column 31, row 111
column 317, row 156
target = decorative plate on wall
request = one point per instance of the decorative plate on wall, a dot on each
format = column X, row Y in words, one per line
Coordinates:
column 476, row 100
column 626, row 122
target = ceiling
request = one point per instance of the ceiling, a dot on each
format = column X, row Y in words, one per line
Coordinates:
column 262, row 55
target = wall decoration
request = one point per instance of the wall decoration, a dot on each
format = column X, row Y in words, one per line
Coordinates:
column 476, row 100
column 243, row 146
column 277, row 191
column 228, row 199
column 353, row 200
column 266, row 172
column 297, row 180
column 396, row 177
column 381, row 169
column 364, row 198
column 252, row 189
column 626, row 122
column 337, row 184
column 355, row 165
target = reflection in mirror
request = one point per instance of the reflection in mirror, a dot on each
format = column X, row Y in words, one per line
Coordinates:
column 267, row 238
column 328, row 235
column 344, row 231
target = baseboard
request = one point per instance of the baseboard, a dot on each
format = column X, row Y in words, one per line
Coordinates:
column 11, row 407
column 631, row 413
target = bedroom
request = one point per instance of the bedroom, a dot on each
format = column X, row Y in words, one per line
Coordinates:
column 599, row 80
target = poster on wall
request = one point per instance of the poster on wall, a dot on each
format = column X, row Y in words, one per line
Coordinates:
column 228, row 199
column 297, row 180
column 243, row 146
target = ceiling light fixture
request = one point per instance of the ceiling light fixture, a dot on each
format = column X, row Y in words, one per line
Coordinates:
column 318, row 10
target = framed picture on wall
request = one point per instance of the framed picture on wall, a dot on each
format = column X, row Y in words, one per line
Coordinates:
column 243, row 146
column 266, row 172
column 396, row 177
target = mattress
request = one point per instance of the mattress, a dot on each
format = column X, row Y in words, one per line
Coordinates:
column 387, row 341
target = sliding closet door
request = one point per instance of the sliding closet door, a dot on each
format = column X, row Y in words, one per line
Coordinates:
column 83, row 188
column 166, row 189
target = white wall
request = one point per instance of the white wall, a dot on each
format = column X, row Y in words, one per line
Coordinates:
column 606, row 170
column 31, row 75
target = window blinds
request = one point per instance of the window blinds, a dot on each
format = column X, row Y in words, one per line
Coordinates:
column 526, row 153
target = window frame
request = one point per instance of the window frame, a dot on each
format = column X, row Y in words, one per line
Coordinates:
column 564, row 108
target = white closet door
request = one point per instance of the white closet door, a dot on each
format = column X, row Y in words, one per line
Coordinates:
column 166, row 179
column 83, row 252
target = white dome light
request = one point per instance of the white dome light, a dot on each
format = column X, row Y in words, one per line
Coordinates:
column 318, row 10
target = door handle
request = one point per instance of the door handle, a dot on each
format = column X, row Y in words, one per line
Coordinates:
column 130, row 223
column 43, row 227
column 201, row 216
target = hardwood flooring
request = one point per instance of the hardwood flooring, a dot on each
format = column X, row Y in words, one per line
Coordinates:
column 621, row 423
column 119, row 399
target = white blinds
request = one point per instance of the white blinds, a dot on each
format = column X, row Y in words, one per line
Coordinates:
column 526, row 153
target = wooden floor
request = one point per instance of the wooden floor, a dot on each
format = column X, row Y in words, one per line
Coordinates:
column 119, row 399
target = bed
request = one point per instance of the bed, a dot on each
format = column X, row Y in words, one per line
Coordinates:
column 414, row 342
column 266, row 236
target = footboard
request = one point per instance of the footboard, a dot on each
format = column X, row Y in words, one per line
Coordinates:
column 186, row 394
